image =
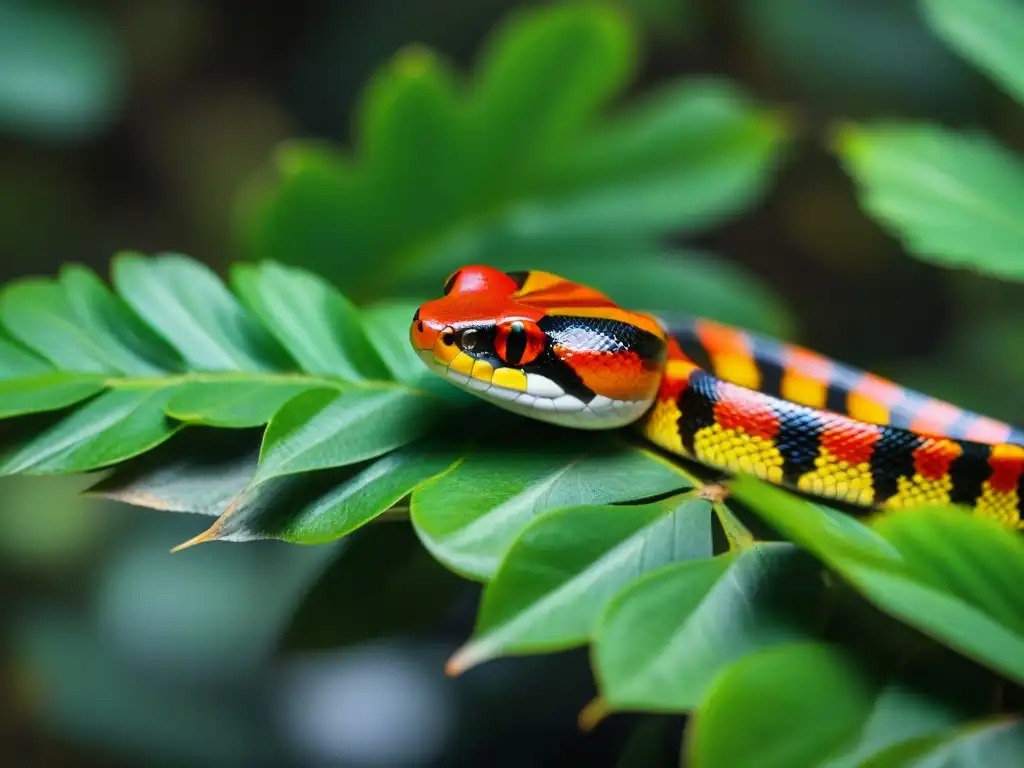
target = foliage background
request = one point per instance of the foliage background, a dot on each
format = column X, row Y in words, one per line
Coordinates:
column 139, row 125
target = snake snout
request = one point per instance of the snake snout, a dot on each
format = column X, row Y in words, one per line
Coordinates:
column 424, row 332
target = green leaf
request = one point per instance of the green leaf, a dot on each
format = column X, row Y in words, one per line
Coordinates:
column 988, row 33
column 37, row 313
column 813, row 700
column 322, row 507
column 316, row 324
column 117, row 425
column 698, row 284
column 414, row 132
column 315, row 206
column 970, row 558
column 960, row 625
column 389, row 331
column 664, row 639
column 819, row 529
column 998, row 742
column 469, row 516
column 128, row 343
column 16, row 362
column 45, row 392
column 184, row 301
column 688, row 156
column 525, row 117
column 907, row 713
column 199, row 471
column 334, row 454
column 951, row 575
column 950, row 197
column 519, row 154
column 80, row 326
column 531, row 606
column 238, row 400
column 326, row 428
column 390, row 334
column 905, row 754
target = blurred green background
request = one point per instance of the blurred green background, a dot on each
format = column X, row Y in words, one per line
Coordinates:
column 129, row 124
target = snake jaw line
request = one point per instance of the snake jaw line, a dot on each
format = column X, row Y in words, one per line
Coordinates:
column 543, row 399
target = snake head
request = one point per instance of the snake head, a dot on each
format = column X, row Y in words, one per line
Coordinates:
column 541, row 346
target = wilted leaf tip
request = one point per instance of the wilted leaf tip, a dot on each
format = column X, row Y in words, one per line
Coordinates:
column 134, row 498
column 210, row 534
column 592, row 714
column 469, row 655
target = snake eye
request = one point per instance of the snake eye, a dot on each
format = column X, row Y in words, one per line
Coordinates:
column 468, row 339
column 518, row 342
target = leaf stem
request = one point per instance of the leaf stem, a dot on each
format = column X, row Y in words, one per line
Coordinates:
column 260, row 377
column 739, row 536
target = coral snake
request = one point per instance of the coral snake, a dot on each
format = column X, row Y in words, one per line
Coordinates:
column 545, row 347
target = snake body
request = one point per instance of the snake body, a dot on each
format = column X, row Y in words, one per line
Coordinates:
column 555, row 350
